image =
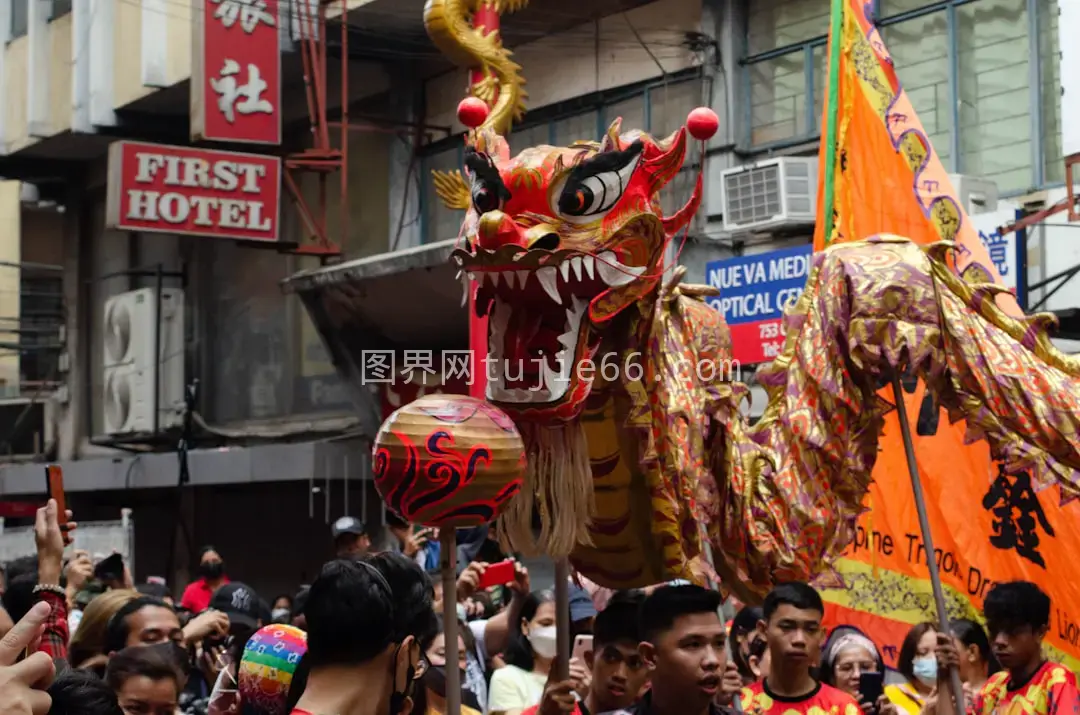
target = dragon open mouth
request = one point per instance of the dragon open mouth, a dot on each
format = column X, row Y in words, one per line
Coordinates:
column 537, row 303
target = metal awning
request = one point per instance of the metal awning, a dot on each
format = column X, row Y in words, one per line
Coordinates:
column 405, row 300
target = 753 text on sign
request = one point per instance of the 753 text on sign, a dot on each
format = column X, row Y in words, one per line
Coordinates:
column 195, row 192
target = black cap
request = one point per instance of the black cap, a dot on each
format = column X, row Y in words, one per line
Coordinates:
column 240, row 603
column 348, row 525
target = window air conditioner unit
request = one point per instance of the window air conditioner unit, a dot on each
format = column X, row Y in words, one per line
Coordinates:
column 977, row 195
column 131, row 366
column 770, row 194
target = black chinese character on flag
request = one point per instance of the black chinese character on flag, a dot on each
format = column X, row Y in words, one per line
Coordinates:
column 1012, row 501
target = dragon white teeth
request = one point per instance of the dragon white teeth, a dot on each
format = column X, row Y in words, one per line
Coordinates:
column 564, row 269
column 575, row 263
column 522, row 278
column 614, row 273
column 588, row 262
column 547, row 277
column 466, row 286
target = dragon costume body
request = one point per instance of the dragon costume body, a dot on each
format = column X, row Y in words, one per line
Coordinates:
column 619, row 376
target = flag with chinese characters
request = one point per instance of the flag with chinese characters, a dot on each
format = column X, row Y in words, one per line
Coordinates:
column 987, row 526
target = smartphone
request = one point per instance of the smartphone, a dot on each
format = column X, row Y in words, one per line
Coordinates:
column 54, row 479
column 498, row 574
column 871, row 687
column 110, row 568
column 582, row 645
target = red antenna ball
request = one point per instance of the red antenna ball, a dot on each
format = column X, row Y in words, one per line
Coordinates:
column 472, row 111
column 702, row 123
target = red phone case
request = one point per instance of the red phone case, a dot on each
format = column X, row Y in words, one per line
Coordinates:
column 55, row 476
column 497, row 575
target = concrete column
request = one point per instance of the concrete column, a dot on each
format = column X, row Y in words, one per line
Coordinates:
column 71, row 427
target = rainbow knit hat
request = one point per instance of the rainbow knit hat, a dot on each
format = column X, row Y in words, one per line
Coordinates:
column 266, row 669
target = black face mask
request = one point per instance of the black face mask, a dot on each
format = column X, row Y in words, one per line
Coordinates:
column 398, row 698
column 435, row 681
column 212, row 569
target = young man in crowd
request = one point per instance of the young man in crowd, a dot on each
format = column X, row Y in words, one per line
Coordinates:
column 351, row 538
column 366, row 618
column 684, row 648
column 791, row 621
column 1017, row 618
column 618, row 670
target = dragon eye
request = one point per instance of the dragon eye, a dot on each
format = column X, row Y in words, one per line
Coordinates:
column 485, row 199
column 594, row 187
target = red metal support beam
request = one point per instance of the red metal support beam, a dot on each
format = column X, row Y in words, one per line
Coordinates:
column 321, row 159
column 1066, row 204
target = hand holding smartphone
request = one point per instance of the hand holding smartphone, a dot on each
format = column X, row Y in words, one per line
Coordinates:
column 498, row 574
column 871, row 688
column 54, row 482
column 582, row 645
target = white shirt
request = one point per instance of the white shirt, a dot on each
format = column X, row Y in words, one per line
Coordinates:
column 514, row 689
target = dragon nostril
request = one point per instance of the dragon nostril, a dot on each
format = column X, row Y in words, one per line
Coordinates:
column 547, row 242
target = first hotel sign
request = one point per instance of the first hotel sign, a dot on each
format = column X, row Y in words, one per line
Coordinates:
column 193, row 192
column 236, row 72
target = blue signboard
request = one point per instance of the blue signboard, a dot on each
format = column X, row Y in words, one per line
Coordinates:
column 754, row 290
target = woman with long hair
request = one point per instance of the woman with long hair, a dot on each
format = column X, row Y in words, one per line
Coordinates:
column 87, row 648
column 977, row 661
column 431, row 698
column 918, row 664
column 532, row 647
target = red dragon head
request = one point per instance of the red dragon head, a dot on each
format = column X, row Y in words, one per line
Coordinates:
column 560, row 241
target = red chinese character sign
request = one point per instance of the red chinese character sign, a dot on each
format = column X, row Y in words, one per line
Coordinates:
column 236, row 72
column 194, row 192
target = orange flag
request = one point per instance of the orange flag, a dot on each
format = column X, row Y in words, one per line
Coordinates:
column 987, row 526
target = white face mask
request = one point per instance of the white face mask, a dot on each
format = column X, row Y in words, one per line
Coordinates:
column 543, row 641
column 280, row 615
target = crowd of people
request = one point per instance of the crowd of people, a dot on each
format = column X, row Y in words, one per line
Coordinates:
column 367, row 638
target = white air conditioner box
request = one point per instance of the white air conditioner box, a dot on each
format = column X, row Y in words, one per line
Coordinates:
column 977, row 196
column 130, row 329
column 770, row 194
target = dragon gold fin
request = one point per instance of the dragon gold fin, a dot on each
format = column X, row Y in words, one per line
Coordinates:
column 452, row 189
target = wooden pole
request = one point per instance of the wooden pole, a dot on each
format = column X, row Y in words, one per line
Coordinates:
column 448, row 565
column 928, row 540
column 562, row 619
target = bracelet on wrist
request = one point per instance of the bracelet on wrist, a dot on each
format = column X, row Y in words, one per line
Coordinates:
column 51, row 588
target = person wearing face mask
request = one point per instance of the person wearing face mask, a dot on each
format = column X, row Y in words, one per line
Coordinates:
column 529, row 654
column 918, row 664
column 431, row 699
column 281, row 611
column 366, row 619
column 212, row 576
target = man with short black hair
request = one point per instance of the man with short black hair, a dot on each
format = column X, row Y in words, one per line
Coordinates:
column 366, row 618
column 618, row 670
column 683, row 645
column 791, row 622
column 1017, row 619
column 143, row 621
column 351, row 539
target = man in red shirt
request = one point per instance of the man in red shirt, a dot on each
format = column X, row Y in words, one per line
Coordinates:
column 1017, row 617
column 212, row 576
column 792, row 615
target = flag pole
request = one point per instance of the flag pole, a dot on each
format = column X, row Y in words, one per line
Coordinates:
column 832, row 111
column 928, row 540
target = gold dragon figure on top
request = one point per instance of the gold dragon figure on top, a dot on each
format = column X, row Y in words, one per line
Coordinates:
column 638, row 452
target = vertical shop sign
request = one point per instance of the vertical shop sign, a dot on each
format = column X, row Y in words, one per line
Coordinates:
column 236, row 72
